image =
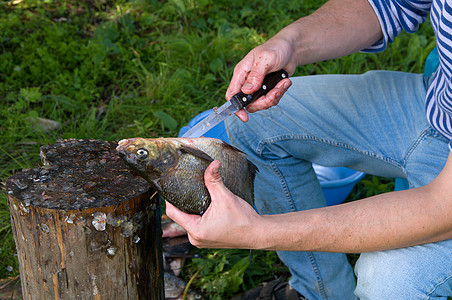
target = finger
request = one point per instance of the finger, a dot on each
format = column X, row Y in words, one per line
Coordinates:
column 214, row 182
column 243, row 115
column 272, row 98
column 238, row 78
column 254, row 79
column 181, row 218
column 215, row 186
column 263, row 64
column 212, row 175
column 235, row 86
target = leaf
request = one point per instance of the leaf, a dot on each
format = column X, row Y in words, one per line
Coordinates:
column 231, row 280
column 106, row 32
column 127, row 23
column 180, row 5
column 207, row 79
column 237, row 272
column 33, row 114
column 220, row 265
column 31, row 94
column 111, row 48
column 20, row 104
column 167, row 120
column 247, row 12
column 216, row 65
column 68, row 103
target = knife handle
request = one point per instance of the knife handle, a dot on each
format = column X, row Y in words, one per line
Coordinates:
column 270, row 81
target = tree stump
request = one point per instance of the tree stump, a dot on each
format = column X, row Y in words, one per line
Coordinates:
column 86, row 226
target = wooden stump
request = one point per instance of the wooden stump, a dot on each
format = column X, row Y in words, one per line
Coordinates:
column 85, row 226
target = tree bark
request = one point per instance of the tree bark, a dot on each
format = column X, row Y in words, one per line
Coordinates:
column 86, row 226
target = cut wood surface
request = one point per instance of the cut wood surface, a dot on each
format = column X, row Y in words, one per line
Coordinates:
column 86, row 226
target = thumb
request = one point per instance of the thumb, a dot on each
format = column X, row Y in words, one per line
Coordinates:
column 254, row 79
column 212, row 177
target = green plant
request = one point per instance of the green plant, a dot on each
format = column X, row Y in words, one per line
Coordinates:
column 9, row 266
column 376, row 185
column 225, row 272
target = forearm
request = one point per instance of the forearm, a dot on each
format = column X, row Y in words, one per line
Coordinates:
column 338, row 28
column 386, row 221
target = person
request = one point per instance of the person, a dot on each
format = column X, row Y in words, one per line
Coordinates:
column 386, row 123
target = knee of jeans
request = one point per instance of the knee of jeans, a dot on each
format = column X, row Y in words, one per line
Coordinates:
column 383, row 275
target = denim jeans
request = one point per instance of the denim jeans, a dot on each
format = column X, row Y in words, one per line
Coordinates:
column 374, row 123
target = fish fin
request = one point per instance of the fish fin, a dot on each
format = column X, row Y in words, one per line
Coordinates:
column 156, row 184
column 253, row 170
column 252, row 167
column 231, row 147
column 196, row 152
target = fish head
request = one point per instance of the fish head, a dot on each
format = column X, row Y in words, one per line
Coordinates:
column 150, row 158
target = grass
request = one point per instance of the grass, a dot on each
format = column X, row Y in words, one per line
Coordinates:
column 110, row 69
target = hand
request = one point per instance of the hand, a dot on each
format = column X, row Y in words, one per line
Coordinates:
column 229, row 222
column 274, row 55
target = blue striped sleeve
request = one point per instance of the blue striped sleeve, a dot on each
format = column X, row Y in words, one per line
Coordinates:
column 396, row 16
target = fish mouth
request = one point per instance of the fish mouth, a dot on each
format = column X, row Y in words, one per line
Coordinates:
column 123, row 143
column 124, row 149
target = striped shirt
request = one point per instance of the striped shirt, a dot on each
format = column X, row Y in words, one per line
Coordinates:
column 406, row 15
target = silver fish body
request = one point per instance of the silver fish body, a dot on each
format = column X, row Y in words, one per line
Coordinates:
column 176, row 166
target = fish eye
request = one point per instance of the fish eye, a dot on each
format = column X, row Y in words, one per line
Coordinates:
column 142, row 153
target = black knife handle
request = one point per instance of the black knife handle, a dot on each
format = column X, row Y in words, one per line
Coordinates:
column 270, row 81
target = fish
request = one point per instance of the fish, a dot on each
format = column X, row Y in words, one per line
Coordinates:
column 175, row 168
column 176, row 246
column 175, row 252
column 171, row 228
column 175, row 289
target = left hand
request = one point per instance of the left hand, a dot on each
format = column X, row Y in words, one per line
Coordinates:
column 229, row 222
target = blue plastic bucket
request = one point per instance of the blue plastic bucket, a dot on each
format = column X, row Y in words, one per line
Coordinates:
column 337, row 183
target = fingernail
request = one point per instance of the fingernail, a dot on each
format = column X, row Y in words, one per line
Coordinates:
column 248, row 86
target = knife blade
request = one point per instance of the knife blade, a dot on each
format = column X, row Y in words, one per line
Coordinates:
column 236, row 103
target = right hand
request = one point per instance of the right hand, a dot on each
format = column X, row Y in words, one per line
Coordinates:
column 249, row 73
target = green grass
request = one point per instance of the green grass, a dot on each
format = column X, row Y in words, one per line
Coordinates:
column 110, row 69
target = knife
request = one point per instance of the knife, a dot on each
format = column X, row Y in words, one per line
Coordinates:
column 236, row 103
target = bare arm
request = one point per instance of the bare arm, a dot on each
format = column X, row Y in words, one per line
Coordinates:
column 338, row 28
column 387, row 221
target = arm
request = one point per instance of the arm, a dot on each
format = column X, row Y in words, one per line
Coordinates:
column 387, row 221
column 338, row 28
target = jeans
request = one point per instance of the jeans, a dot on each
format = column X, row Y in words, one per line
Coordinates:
column 374, row 123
